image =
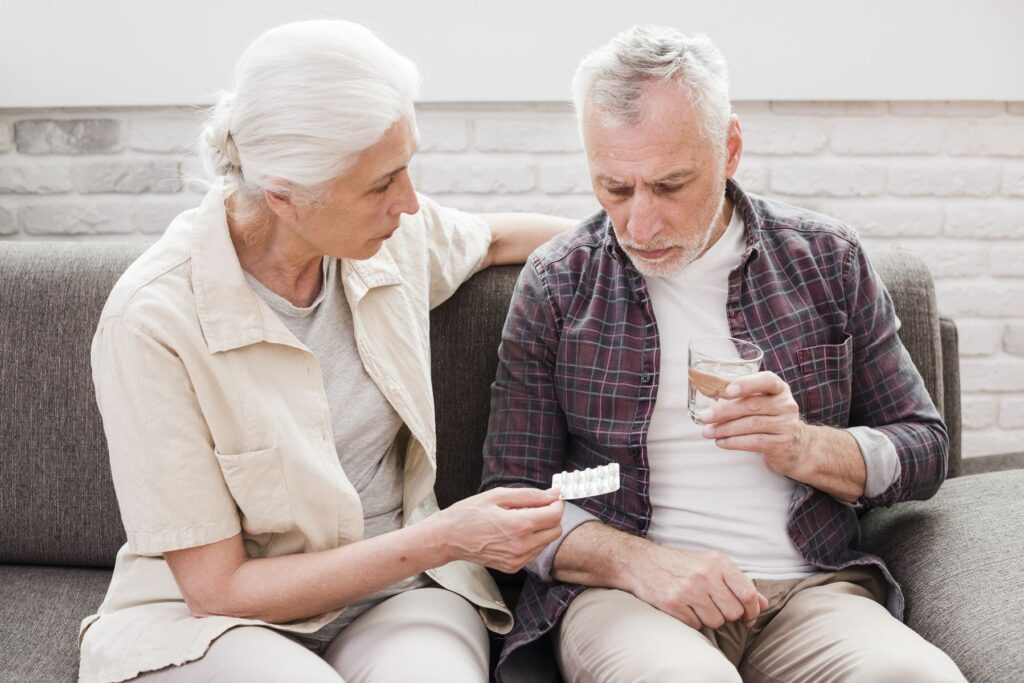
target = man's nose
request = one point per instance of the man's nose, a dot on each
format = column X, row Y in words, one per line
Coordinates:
column 644, row 223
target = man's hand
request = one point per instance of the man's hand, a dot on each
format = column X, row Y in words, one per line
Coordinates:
column 760, row 415
column 698, row 587
column 504, row 528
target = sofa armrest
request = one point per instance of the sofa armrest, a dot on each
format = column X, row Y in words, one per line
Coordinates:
column 951, row 392
column 993, row 463
column 958, row 557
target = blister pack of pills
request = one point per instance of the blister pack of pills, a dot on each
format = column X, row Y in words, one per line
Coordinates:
column 592, row 481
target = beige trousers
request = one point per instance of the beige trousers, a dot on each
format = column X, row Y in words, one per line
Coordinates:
column 427, row 634
column 827, row 628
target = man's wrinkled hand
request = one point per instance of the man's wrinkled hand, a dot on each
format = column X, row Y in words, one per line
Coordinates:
column 760, row 415
column 698, row 587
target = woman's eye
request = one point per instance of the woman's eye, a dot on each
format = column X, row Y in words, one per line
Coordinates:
column 384, row 188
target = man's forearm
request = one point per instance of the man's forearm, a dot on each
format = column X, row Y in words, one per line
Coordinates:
column 831, row 461
column 596, row 554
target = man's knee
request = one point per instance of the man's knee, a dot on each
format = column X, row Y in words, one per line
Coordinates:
column 696, row 669
column 611, row 636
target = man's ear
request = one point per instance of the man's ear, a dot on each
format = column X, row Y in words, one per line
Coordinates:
column 282, row 206
column 733, row 147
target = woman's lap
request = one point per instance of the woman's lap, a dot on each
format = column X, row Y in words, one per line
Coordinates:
column 248, row 653
column 428, row 634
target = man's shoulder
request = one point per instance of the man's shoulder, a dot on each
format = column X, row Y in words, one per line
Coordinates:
column 572, row 251
column 782, row 223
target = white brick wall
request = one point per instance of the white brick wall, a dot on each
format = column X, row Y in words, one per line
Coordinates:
column 942, row 179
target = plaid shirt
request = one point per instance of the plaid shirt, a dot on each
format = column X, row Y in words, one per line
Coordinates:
column 578, row 376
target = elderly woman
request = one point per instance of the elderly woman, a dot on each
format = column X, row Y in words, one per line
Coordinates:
column 263, row 376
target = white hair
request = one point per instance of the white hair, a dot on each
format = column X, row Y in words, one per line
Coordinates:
column 611, row 78
column 309, row 96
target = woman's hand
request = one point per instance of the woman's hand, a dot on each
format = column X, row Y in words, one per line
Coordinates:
column 504, row 528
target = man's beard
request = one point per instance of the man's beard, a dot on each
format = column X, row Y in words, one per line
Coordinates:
column 683, row 252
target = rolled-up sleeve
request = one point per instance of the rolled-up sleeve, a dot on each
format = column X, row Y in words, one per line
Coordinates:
column 572, row 517
column 881, row 464
column 170, row 488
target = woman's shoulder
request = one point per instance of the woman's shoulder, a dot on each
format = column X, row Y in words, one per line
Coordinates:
column 157, row 283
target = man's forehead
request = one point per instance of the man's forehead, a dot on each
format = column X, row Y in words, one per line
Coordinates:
column 675, row 175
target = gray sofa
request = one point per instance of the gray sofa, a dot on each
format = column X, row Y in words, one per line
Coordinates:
column 959, row 555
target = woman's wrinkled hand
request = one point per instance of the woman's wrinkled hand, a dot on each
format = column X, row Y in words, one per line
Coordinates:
column 504, row 528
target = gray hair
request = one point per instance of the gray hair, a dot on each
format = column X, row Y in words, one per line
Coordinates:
column 612, row 77
column 309, row 97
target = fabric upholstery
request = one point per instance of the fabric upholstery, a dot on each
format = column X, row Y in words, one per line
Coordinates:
column 993, row 463
column 42, row 607
column 56, row 497
column 959, row 557
column 951, row 392
column 464, row 336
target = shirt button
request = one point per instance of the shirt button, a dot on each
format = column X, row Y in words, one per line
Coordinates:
column 645, row 379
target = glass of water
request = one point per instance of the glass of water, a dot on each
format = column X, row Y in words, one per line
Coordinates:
column 714, row 362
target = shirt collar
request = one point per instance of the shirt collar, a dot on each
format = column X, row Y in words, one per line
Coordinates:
column 752, row 219
column 231, row 313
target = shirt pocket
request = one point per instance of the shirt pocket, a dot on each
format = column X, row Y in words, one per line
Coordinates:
column 257, row 482
column 826, row 374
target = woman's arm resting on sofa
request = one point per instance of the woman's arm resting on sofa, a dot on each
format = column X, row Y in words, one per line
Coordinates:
column 516, row 235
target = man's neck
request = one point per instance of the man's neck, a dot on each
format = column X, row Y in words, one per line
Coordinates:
column 720, row 225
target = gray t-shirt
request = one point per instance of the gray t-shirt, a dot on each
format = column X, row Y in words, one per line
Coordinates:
column 365, row 425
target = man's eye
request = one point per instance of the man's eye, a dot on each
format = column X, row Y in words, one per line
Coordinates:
column 668, row 189
column 620, row 191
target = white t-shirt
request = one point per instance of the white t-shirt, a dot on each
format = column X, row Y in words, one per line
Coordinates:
column 703, row 496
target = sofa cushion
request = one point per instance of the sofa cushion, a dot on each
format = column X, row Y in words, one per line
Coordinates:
column 56, row 497
column 958, row 557
column 42, row 608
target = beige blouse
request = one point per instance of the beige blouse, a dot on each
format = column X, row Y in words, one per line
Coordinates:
column 217, row 422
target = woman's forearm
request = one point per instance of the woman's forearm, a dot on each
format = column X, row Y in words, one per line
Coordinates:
column 515, row 235
column 221, row 579
column 503, row 528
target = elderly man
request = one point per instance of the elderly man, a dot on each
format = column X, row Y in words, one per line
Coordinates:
column 729, row 552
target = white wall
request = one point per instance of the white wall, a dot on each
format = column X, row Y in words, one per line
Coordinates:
column 63, row 53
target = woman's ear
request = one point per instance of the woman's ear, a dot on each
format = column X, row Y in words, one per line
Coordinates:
column 282, row 206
